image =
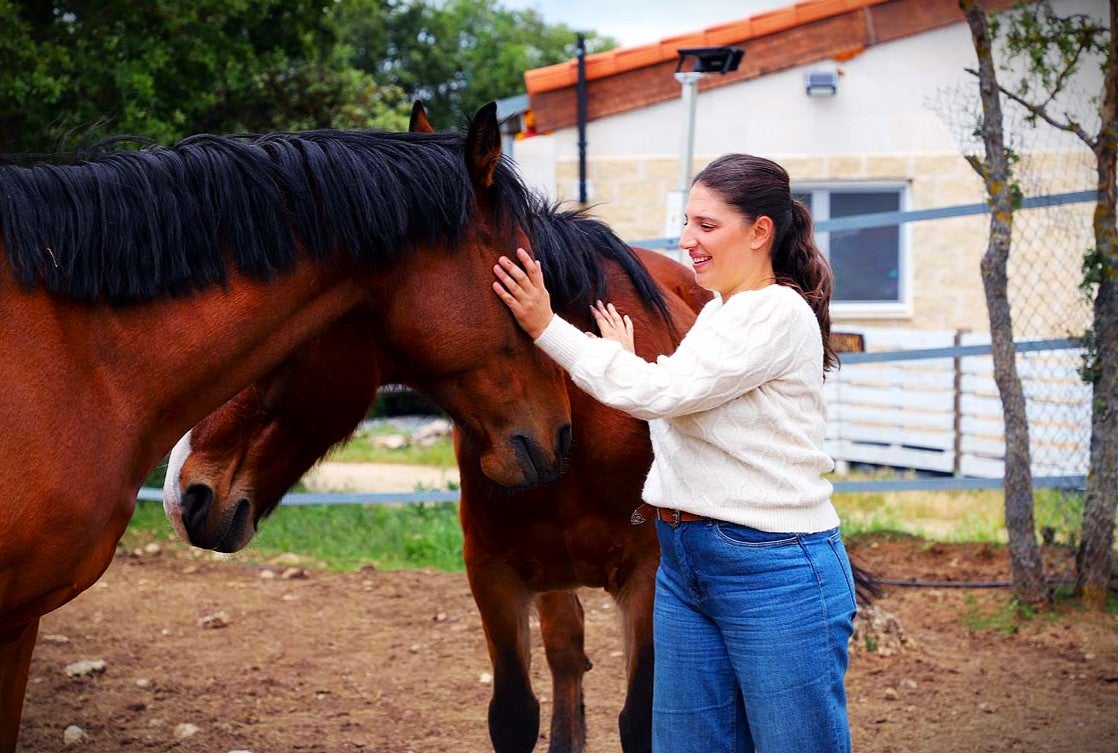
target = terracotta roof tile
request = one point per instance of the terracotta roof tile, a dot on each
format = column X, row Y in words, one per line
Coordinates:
column 625, row 59
column 633, row 77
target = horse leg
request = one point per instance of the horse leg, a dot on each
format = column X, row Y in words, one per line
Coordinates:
column 15, row 664
column 503, row 602
column 561, row 623
column 634, row 597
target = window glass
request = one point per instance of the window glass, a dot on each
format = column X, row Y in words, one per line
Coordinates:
column 866, row 262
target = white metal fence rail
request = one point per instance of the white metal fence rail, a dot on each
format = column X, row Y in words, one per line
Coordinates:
column 944, row 414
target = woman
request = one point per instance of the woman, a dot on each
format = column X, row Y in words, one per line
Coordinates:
column 754, row 594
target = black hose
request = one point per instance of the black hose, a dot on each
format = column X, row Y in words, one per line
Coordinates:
column 914, row 583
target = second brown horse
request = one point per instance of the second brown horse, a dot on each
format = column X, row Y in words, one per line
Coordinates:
column 522, row 547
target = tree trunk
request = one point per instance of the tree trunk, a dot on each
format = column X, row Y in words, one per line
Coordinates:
column 1024, row 555
column 1095, row 557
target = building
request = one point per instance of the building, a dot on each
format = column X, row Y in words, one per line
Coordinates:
column 889, row 136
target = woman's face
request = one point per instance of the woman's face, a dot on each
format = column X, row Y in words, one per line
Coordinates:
column 728, row 253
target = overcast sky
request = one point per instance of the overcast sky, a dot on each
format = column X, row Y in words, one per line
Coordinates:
column 633, row 22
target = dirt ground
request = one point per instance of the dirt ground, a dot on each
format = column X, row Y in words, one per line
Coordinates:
column 395, row 661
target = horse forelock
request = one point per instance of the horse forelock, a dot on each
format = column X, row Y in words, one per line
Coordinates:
column 572, row 248
column 131, row 226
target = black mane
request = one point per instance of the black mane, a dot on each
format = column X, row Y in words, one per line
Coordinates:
column 132, row 226
column 124, row 227
column 570, row 246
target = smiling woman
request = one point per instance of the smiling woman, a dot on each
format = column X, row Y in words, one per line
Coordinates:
column 744, row 516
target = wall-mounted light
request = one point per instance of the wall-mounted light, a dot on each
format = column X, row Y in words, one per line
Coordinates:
column 703, row 61
column 710, row 59
column 821, row 83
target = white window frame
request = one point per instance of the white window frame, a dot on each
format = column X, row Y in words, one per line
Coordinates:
column 821, row 210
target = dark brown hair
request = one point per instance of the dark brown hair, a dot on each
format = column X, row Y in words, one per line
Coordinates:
column 757, row 187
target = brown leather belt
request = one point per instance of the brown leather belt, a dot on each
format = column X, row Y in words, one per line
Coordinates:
column 668, row 515
column 675, row 517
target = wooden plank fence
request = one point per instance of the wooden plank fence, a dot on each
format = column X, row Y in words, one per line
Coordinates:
column 944, row 414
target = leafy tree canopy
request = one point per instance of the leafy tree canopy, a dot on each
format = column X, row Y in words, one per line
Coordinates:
column 77, row 70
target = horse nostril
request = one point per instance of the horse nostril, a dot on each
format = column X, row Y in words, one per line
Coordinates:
column 564, row 441
column 196, row 503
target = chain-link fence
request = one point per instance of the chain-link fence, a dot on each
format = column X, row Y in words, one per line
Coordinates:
column 1045, row 273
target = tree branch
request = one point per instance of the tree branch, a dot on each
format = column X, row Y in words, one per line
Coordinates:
column 1069, row 69
column 1039, row 112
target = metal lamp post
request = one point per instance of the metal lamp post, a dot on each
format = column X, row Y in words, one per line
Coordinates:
column 707, row 60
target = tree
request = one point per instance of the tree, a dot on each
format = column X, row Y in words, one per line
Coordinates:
column 82, row 69
column 455, row 54
column 1052, row 49
column 165, row 68
column 996, row 170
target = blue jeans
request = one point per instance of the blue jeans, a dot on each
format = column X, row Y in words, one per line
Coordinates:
column 751, row 631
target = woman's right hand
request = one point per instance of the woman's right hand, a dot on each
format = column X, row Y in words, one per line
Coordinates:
column 524, row 292
column 613, row 325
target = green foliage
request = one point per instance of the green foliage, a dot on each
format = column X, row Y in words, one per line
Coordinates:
column 403, row 402
column 77, row 70
column 454, row 54
column 167, row 68
column 1096, row 266
column 1052, row 47
column 1004, row 616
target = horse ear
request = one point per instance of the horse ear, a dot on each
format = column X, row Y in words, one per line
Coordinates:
column 419, row 122
column 483, row 146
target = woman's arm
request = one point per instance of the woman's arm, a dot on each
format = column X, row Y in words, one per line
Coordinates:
column 717, row 361
column 721, row 358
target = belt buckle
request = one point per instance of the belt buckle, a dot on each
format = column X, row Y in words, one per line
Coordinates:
column 675, row 518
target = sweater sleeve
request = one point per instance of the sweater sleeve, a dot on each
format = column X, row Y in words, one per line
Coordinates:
column 739, row 348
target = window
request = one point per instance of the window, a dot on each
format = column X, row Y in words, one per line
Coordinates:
column 870, row 264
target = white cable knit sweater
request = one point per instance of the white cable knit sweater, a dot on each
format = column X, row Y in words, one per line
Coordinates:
column 736, row 414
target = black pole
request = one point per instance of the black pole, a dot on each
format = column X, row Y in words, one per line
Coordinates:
column 581, row 119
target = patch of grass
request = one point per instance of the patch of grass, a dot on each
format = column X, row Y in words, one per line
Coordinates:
column 361, row 449
column 977, row 528
column 1005, row 616
column 1060, row 511
column 349, row 536
column 1063, row 597
column 344, row 537
column 957, row 516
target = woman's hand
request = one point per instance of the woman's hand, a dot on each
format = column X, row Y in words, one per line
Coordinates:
column 613, row 325
column 524, row 292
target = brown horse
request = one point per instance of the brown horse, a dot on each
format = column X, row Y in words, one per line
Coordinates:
column 145, row 289
column 521, row 546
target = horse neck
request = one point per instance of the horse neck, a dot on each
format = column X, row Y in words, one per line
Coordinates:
column 147, row 373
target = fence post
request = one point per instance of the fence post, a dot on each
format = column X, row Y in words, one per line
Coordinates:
column 957, row 460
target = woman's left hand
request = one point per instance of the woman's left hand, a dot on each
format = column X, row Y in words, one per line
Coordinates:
column 524, row 292
column 613, row 325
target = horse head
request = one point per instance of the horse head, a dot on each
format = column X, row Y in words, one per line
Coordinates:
column 432, row 322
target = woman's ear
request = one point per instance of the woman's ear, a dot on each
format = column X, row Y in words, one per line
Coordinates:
column 763, row 230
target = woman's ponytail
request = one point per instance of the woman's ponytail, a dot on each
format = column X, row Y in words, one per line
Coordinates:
column 798, row 263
